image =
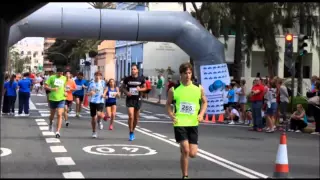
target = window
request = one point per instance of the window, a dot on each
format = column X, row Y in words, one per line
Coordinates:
column 29, row 53
column 35, row 54
column 36, row 61
column 21, row 53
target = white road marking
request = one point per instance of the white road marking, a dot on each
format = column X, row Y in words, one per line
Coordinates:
column 239, row 171
column 160, row 135
column 173, row 140
column 58, row 149
column 150, row 117
column 52, row 140
column 5, row 152
column 164, row 115
column 122, row 116
column 143, row 114
column 119, row 113
column 64, row 161
column 31, row 105
column 47, row 133
column 42, row 104
column 147, row 111
column 113, row 150
column 147, row 130
column 42, row 123
column 40, row 120
column 44, row 128
column 73, row 175
column 47, row 115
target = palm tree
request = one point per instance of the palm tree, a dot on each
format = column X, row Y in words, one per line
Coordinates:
column 102, row 5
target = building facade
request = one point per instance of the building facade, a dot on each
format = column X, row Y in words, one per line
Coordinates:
column 33, row 49
column 47, row 65
column 149, row 56
column 106, row 59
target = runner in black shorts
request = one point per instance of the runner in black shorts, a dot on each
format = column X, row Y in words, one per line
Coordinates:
column 133, row 86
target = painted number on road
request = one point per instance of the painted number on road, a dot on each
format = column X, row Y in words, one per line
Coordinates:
column 5, row 152
column 119, row 150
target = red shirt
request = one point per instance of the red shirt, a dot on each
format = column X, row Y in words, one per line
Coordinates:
column 259, row 96
column 32, row 76
column 148, row 84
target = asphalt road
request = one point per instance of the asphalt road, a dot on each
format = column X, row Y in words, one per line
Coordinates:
column 225, row 151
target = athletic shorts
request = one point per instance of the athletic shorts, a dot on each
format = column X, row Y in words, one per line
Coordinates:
column 80, row 97
column 236, row 118
column 68, row 103
column 94, row 108
column 186, row 133
column 135, row 103
column 272, row 110
column 109, row 104
column 57, row 104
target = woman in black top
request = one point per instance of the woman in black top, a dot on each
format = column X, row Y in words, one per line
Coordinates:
column 315, row 108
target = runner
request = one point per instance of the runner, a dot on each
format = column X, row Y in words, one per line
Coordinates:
column 47, row 91
column 79, row 93
column 37, row 84
column 133, row 86
column 189, row 111
column 70, row 87
column 111, row 93
column 96, row 91
column 57, row 96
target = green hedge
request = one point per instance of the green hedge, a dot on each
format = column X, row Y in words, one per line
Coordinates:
column 296, row 100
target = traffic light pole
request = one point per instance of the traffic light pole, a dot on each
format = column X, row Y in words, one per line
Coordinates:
column 292, row 85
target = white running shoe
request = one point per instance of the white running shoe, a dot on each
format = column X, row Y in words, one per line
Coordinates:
column 231, row 123
column 94, row 135
column 100, row 124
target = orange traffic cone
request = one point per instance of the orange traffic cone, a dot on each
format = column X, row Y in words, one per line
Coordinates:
column 213, row 119
column 221, row 118
column 85, row 101
column 282, row 166
column 207, row 118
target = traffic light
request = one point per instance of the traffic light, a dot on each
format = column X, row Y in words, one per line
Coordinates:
column 289, row 47
column 302, row 45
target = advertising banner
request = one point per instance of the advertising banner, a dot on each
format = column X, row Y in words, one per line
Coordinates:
column 214, row 78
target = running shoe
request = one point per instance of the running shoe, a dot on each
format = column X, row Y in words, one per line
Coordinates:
column 67, row 123
column 57, row 134
column 111, row 127
column 94, row 135
column 131, row 137
column 100, row 124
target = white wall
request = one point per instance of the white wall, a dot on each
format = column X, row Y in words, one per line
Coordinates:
column 161, row 55
column 171, row 6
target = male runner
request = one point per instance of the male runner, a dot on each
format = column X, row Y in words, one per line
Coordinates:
column 133, row 86
column 96, row 91
column 70, row 87
column 79, row 93
column 37, row 84
column 46, row 77
column 57, row 96
column 190, row 104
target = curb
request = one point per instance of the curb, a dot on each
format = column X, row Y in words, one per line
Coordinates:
column 153, row 103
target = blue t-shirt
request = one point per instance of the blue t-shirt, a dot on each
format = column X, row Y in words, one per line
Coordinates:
column 79, row 84
column 231, row 94
column 111, row 95
column 98, row 87
column 24, row 85
column 11, row 89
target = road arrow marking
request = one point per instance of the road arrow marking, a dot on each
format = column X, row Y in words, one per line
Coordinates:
column 131, row 149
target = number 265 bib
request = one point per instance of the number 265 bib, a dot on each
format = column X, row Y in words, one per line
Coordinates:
column 187, row 108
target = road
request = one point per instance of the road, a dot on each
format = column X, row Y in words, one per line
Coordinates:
column 226, row 151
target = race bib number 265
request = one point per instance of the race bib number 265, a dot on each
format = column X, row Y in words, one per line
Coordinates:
column 187, row 108
column 58, row 82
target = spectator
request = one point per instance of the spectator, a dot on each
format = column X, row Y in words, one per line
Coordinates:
column 249, row 117
column 284, row 99
column 5, row 107
column 234, row 114
column 315, row 106
column 313, row 83
column 298, row 120
column 24, row 94
column 160, row 85
column 11, row 92
column 257, row 93
column 271, row 106
column 148, row 86
column 243, row 100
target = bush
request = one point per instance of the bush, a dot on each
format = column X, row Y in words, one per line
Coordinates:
column 298, row 100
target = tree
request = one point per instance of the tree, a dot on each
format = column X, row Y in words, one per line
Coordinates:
column 160, row 71
column 302, row 13
column 169, row 71
column 102, row 5
column 17, row 62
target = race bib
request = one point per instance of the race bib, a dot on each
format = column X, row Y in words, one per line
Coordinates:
column 134, row 91
column 58, row 82
column 187, row 108
column 79, row 87
column 67, row 88
column 112, row 94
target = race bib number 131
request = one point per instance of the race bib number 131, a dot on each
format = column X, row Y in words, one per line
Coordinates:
column 187, row 108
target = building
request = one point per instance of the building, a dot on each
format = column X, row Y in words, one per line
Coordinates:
column 33, row 49
column 47, row 65
column 149, row 56
column 106, row 59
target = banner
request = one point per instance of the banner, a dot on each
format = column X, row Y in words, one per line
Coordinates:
column 214, row 78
